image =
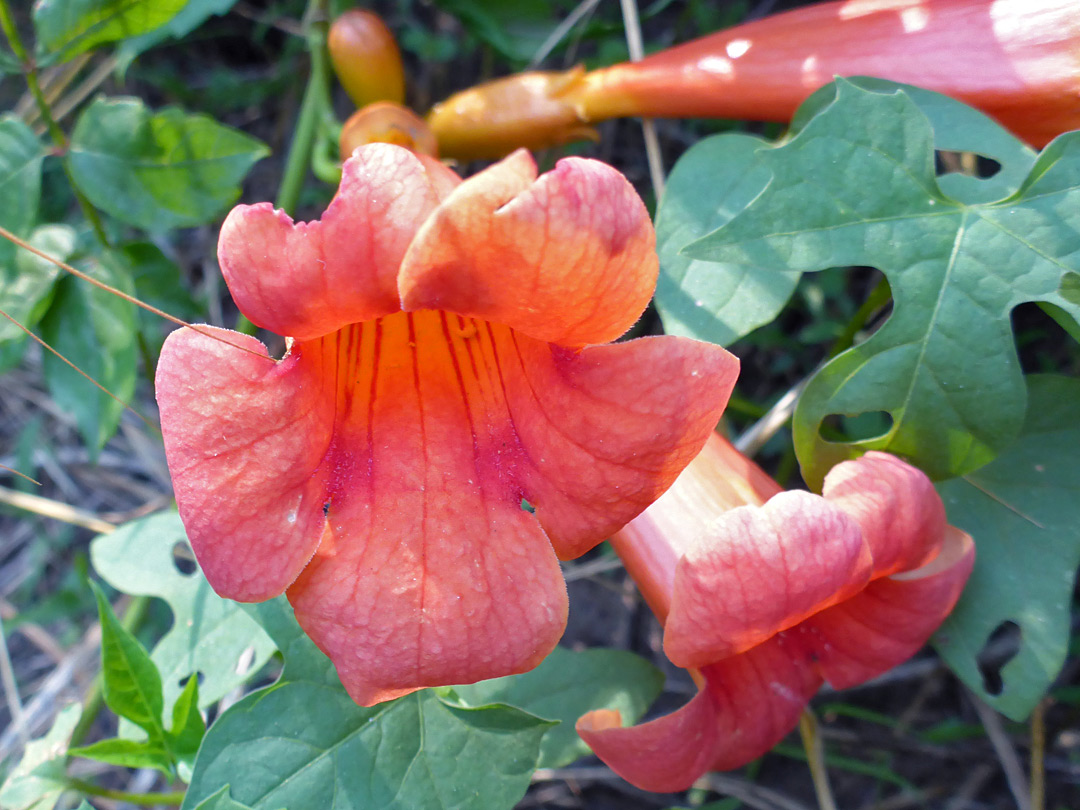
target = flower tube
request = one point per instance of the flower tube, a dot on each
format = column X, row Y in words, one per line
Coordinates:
column 448, row 361
column 1016, row 60
column 766, row 594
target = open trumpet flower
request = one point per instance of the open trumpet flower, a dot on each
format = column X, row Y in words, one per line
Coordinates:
column 1016, row 60
column 766, row 594
column 442, row 370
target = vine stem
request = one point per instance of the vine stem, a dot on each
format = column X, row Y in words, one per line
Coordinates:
column 171, row 798
column 312, row 105
column 815, row 758
column 7, row 22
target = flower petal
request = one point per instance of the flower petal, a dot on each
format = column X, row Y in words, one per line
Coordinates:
column 606, row 430
column 891, row 619
column 306, row 279
column 749, row 703
column 244, row 437
column 901, row 515
column 430, row 572
column 759, row 570
column 567, row 258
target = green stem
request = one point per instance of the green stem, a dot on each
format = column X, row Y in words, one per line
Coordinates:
column 130, row 621
column 815, row 758
column 7, row 22
column 878, row 298
column 311, row 109
column 174, row 797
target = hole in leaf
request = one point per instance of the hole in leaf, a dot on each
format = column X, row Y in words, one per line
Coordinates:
column 1000, row 648
column 527, row 507
column 183, row 558
column 969, row 163
column 326, row 508
column 200, row 678
column 837, row 427
column 244, row 662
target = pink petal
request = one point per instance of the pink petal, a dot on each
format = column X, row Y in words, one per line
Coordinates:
column 901, row 515
column 759, row 570
column 308, row 279
column 567, row 258
column 606, row 430
column 891, row 619
column 244, row 436
column 749, row 703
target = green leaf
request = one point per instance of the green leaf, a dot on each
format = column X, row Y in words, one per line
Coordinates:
column 210, row 636
column 66, row 28
column 188, row 726
column 95, row 330
column 327, row 753
column 191, row 16
column 221, row 801
column 27, row 288
column 856, row 186
column 721, row 175
column 515, row 28
column 40, row 777
column 1023, row 510
column 567, row 685
column 127, row 753
column 712, row 301
column 131, row 685
column 21, row 154
column 158, row 171
column 303, row 660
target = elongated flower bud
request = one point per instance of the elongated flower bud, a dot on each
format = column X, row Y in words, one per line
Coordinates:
column 1016, row 60
column 366, row 58
column 387, row 122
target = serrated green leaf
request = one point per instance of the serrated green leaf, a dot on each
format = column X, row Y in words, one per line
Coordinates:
column 330, row 754
column 40, row 777
column 856, row 187
column 1023, row 510
column 209, row 635
column 567, row 685
column 66, row 28
column 158, row 171
column 96, row 331
column 26, row 289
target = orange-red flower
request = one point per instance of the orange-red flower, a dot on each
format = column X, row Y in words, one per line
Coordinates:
column 767, row 594
column 441, row 369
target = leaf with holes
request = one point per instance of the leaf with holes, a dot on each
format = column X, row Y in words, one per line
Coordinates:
column 719, row 176
column 1024, row 512
column 567, row 685
column 158, row 170
column 40, row 777
column 856, row 186
column 210, row 636
column 66, row 28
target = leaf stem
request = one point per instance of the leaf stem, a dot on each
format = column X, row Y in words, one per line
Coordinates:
column 815, row 758
column 7, row 22
column 174, row 797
